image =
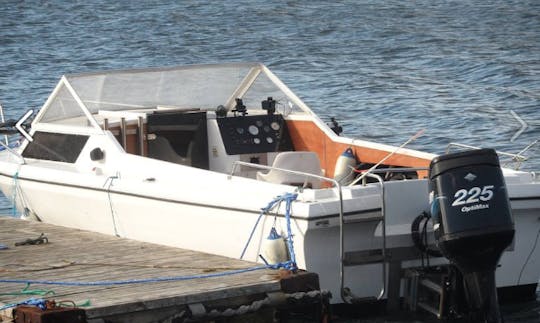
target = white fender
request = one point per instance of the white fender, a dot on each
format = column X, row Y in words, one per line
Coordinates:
column 343, row 172
column 274, row 249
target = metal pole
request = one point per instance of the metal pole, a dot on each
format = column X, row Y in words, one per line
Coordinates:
column 3, row 120
column 383, row 229
column 140, row 131
column 418, row 134
column 123, row 132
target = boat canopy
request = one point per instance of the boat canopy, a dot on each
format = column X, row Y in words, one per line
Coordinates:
column 78, row 99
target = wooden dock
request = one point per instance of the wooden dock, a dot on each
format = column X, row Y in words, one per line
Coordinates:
column 80, row 256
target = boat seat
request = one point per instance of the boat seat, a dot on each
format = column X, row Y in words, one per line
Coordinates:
column 161, row 149
column 301, row 161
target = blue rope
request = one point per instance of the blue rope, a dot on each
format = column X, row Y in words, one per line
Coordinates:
column 39, row 302
column 137, row 281
column 289, row 265
column 288, row 198
column 264, row 211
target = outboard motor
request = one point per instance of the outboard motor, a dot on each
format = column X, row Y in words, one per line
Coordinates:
column 472, row 222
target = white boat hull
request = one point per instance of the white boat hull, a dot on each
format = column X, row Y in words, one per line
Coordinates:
column 148, row 155
column 145, row 211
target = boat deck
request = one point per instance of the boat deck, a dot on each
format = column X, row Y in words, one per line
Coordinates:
column 73, row 255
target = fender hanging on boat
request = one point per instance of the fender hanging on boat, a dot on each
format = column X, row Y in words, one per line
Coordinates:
column 344, row 167
column 274, row 249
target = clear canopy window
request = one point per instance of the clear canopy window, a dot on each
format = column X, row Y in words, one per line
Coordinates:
column 202, row 87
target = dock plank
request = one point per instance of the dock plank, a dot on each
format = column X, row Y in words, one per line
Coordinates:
column 82, row 256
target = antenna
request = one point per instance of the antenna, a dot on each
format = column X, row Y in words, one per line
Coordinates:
column 359, row 178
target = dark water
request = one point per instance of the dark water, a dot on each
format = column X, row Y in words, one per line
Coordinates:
column 384, row 69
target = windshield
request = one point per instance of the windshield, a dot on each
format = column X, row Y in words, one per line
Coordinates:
column 193, row 87
column 197, row 87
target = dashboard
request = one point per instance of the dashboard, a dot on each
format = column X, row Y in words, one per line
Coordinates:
column 254, row 134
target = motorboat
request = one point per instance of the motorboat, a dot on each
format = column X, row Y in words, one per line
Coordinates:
column 222, row 158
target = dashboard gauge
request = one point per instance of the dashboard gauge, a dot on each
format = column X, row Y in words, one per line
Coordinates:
column 254, row 130
column 251, row 135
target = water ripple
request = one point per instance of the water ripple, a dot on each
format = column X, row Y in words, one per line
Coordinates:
column 384, row 69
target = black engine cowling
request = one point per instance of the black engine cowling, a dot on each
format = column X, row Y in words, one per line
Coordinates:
column 472, row 221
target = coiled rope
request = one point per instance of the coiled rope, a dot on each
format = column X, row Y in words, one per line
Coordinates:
column 288, row 198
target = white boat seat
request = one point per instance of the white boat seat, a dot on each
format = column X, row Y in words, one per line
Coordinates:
column 161, row 149
column 301, row 161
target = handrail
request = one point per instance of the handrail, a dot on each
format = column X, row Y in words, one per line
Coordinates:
column 346, row 298
column 383, row 227
column 516, row 157
column 350, row 297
